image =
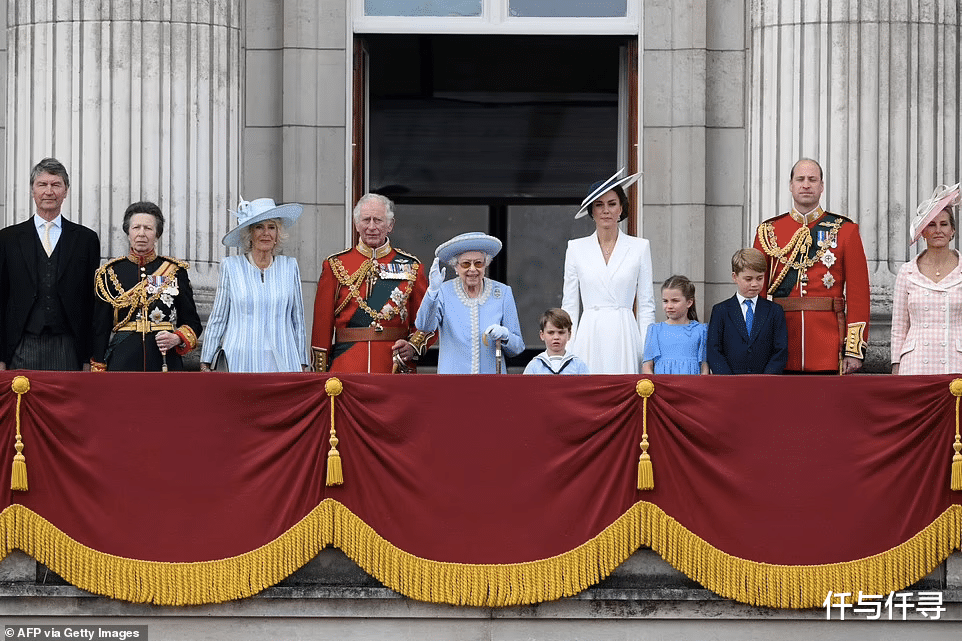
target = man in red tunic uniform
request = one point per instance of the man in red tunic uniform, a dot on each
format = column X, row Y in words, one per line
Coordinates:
column 367, row 299
column 817, row 271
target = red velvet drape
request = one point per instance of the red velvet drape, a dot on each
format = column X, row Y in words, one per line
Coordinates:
column 482, row 469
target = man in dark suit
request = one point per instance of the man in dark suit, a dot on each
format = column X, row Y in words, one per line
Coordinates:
column 47, row 266
column 746, row 334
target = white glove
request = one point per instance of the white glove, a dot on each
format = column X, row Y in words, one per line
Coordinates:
column 497, row 331
column 435, row 277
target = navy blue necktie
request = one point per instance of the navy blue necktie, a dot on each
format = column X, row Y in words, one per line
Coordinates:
column 749, row 315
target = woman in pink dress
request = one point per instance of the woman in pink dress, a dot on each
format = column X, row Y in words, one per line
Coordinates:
column 927, row 303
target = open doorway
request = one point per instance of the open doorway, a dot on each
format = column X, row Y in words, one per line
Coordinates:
column 501, row 134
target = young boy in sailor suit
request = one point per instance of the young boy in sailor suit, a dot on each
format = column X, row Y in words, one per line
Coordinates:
column 555, row 332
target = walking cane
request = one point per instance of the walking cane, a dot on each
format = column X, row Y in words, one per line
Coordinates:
column 497, row 352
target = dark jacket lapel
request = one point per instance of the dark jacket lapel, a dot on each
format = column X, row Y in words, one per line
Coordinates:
column 762, row 310
column 735, row 312
column 26, row 244
column 66, row 245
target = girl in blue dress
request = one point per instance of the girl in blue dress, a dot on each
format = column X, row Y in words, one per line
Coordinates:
column 677, row 345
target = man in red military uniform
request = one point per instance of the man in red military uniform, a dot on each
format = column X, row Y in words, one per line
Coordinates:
column 818, row 273
column 367, row 299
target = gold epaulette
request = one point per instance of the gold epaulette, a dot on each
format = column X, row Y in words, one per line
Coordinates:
column 343, row 251
column 103, row 268
column 183, row 264
column 409, row 255
column 844, row 218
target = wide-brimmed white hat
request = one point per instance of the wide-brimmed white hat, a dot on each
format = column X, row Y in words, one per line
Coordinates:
column 258, row 210
column 602, row 187
column 930, row 208
column 472, row 241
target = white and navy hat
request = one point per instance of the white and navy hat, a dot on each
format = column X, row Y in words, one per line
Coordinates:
column 258, row 210
column 472, row 241
column 930, row 208
column 604, row 186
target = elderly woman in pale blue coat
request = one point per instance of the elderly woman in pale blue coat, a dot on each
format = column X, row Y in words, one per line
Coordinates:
column 258, row 314
column 469, row 312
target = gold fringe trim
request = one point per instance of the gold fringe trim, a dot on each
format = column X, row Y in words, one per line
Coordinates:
column 800, row 586
column 488, row 585
column 162, row 582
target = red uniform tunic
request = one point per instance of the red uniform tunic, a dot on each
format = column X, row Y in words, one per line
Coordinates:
column 375, row 295
column 821, row 260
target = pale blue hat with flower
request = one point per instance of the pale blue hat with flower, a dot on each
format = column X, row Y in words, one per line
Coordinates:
column 472, row 241
column 258, row 210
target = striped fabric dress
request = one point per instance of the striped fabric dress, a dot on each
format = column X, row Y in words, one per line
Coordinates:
column 258, row 317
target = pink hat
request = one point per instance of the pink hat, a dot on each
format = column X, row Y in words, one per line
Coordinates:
column 929, row 209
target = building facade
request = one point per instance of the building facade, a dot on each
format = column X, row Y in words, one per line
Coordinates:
column 488, row 114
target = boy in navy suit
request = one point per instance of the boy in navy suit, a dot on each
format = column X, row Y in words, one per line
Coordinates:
column 746, row 334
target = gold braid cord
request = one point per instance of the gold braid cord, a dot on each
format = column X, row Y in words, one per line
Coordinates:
column 135, row 299
column 481, row 585
column 353, row 284
column 955, row 388
column 18, row 476
column 646, row 475
column 795, row 253
column 335, row 473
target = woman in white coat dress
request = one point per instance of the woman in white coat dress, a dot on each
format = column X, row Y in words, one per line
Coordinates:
column 606, row 275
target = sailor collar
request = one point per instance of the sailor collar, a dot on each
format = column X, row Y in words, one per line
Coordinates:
column 809, row 218
column 139, row 260
column 380, row 252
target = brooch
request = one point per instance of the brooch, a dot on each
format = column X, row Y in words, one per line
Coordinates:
column 828, row 258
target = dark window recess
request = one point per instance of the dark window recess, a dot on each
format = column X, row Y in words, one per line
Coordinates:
column 501, row 134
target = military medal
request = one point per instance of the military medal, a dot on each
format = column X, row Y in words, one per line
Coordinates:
column 828, row 280
column 154, row 282
column 828, row 258
column 395, row 271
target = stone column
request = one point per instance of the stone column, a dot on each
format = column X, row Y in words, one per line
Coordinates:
column 140, row 101
column 870, row 89
column 675, row 139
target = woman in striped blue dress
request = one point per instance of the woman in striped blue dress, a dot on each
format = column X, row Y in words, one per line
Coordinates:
column 258, row 314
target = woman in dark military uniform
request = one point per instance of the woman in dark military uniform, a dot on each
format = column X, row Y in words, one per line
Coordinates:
column 145, row 318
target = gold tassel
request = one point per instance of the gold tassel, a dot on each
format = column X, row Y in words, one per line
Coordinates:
column 335, row 475
column 646, row 474
column 957, row 466
column 18, row 478
column 956, row 481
